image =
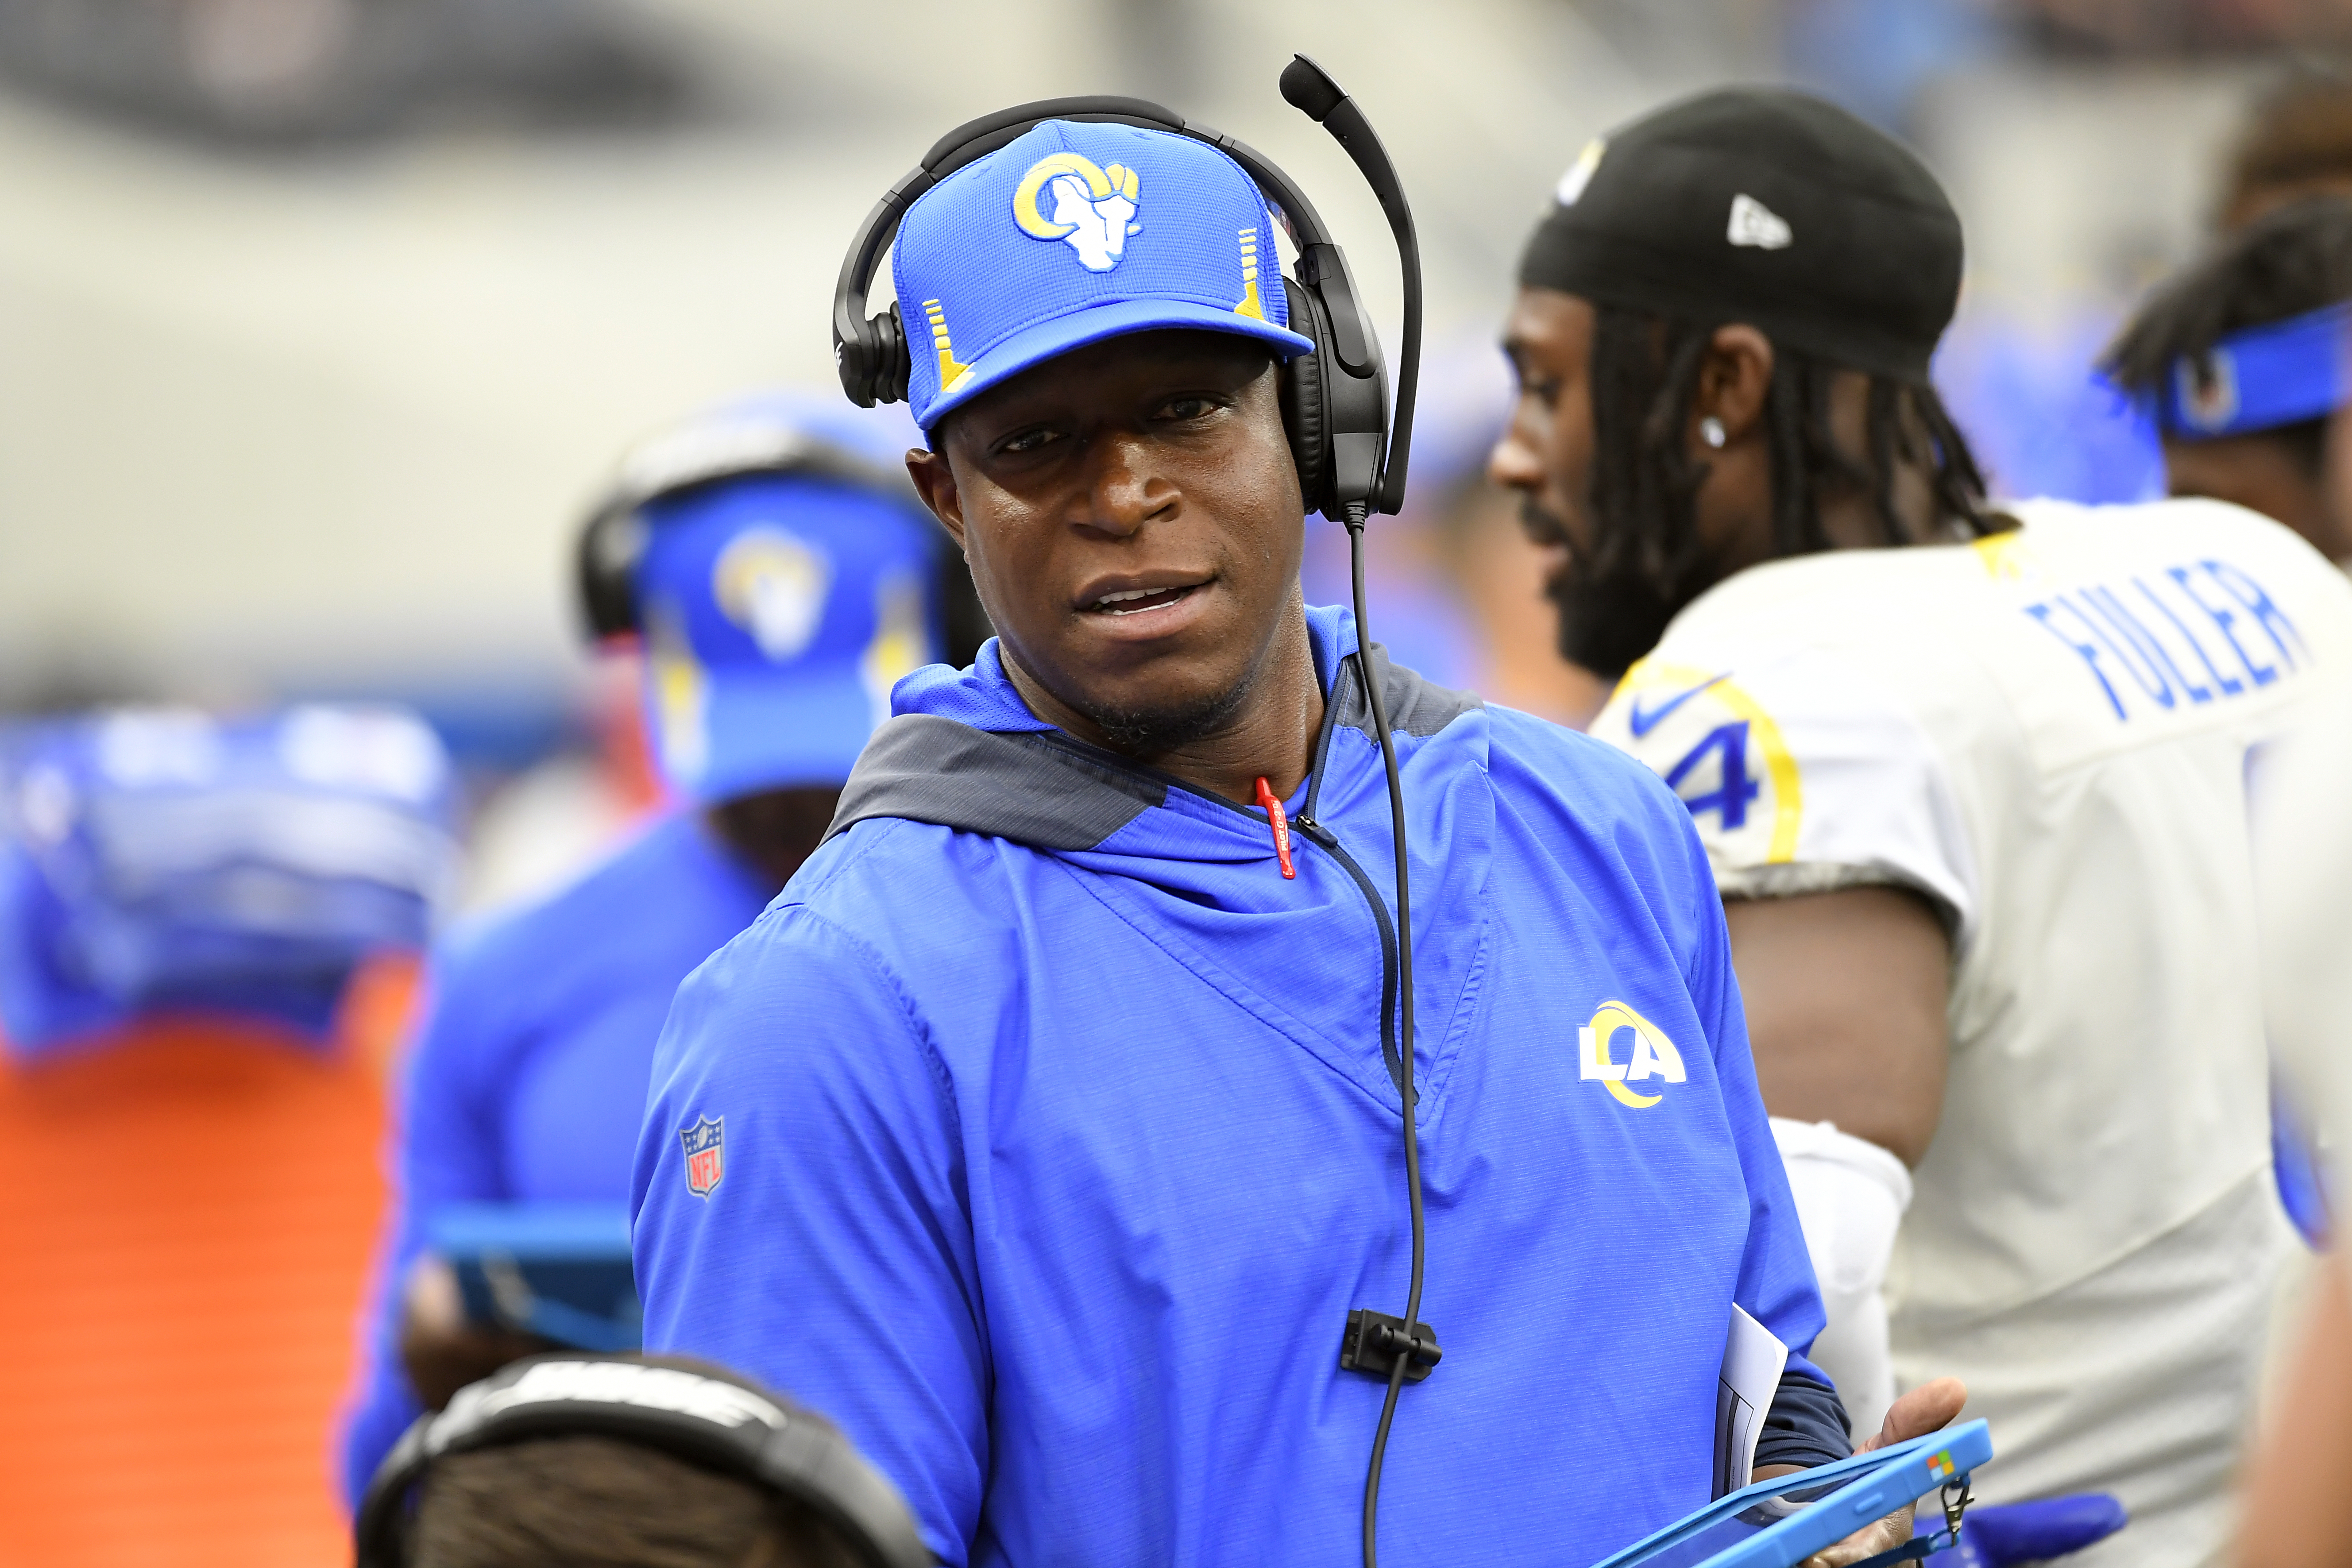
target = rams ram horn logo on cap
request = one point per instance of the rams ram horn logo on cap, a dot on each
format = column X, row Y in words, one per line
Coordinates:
column 772, row 584
column 1093, row 208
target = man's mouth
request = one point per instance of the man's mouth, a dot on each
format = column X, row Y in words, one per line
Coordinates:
column 1136, row 601
column 1543, row 526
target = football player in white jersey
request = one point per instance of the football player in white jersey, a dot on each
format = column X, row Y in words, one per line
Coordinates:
column 2305, row 873
column 1971, row 780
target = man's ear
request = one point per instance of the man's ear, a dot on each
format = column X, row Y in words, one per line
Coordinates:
column 934, row 482
column 1733, row 381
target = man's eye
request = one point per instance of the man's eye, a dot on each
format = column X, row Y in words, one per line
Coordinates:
column 1187, row 408
column 1029, row 440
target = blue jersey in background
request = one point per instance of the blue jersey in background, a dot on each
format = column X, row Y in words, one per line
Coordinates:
column 528, row 1077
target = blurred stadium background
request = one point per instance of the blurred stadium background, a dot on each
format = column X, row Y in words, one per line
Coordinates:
column 321, row 321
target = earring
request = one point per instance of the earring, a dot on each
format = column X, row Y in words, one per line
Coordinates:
column 1710, row 430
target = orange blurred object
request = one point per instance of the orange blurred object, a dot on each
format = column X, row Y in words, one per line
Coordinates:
column 187, row 1218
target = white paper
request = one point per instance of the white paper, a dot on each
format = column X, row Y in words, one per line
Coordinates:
column 1752, row 1362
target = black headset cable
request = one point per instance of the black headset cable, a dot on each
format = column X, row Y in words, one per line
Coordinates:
column 1355, row 526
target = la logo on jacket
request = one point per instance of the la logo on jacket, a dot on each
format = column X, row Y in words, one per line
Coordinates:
column 1653, row 1054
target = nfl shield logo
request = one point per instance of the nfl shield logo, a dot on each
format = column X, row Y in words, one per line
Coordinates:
column 706, row 1154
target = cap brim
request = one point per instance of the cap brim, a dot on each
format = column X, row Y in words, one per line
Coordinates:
column 1034, row 345
column 764, row 731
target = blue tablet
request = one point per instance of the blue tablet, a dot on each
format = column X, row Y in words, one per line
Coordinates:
column 558, row 1270
column 1739, row 1531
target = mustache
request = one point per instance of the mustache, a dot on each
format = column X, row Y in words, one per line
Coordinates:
column 1542, row 524
column 1612, row 612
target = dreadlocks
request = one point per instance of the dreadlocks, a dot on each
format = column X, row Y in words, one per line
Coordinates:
column 1647, row 560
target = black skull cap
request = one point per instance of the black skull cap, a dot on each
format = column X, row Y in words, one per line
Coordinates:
column 1767, row 206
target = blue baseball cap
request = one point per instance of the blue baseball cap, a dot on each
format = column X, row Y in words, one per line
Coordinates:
column 1075, row 233
column 778, row 610
column 155, row 859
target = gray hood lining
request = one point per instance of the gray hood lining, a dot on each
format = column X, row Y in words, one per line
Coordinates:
column 1047, row 791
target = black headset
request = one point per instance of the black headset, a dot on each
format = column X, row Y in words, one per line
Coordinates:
column 712, row 451
column 1335, row 402
column 1350, row 460
column 706, row 1419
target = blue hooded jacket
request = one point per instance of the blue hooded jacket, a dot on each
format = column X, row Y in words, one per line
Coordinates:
column 1041, row 1134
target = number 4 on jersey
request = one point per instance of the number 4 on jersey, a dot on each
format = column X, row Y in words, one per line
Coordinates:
column 1733, row 789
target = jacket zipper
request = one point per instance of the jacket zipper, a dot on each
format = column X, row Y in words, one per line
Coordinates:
column 1322, row 837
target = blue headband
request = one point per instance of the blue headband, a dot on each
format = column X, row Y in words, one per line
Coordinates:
column 2279, row 374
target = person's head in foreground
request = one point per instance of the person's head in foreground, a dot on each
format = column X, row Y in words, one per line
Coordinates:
column 781, row 579
column 2242, row 360
column 1721, row 336
column 1132, row 515
column 573, row 1460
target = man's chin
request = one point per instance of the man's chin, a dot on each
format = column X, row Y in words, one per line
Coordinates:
column 1154, row 727
column 1606, row 626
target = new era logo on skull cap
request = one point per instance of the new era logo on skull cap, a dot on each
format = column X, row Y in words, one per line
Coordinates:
column 1753, row 223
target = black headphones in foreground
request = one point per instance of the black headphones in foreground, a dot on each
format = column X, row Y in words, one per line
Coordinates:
column 1335, row 402
column 714, row 449
column 712, row 1421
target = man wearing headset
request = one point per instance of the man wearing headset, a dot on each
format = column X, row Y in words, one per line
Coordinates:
column 1045, row 1132
column 782, row 579
column 1977, row 804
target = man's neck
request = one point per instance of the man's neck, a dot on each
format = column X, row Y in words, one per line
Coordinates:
column 1271, row 736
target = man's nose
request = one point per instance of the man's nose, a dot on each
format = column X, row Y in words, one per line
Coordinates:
column 1514, row 464
column 1125, row 489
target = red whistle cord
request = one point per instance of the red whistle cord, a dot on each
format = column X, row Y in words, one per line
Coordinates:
column 1281, row 820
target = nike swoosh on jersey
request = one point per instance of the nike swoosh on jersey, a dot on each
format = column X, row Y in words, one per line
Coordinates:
column 1642, row 723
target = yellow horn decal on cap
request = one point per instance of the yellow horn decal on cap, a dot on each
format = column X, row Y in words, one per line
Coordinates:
column 1100, row 183
column 951, row 370
column 1251, row 304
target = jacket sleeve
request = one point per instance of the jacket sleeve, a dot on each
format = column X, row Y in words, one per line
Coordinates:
column 442, row 1150
column 829, row 1251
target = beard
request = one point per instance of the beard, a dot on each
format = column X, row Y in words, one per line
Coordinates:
column 1608, row 617
column 1145, row 734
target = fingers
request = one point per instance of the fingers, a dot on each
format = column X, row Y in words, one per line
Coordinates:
column 1884, row 1535
column 1927, row 1408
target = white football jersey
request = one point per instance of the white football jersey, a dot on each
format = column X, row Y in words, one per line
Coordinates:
column 2045, row 734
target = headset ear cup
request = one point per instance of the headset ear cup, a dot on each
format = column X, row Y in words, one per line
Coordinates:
column 609, row 549
column 1304, row 415
column 896, row 368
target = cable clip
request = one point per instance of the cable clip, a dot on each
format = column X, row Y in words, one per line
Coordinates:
column 1273, row 813
column 1375, row 1339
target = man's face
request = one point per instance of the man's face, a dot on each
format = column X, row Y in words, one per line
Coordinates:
column 1132, row 518
column 1546, row 455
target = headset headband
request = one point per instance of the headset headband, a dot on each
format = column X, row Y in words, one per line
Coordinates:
column 700, row 452
column 711, row 1421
